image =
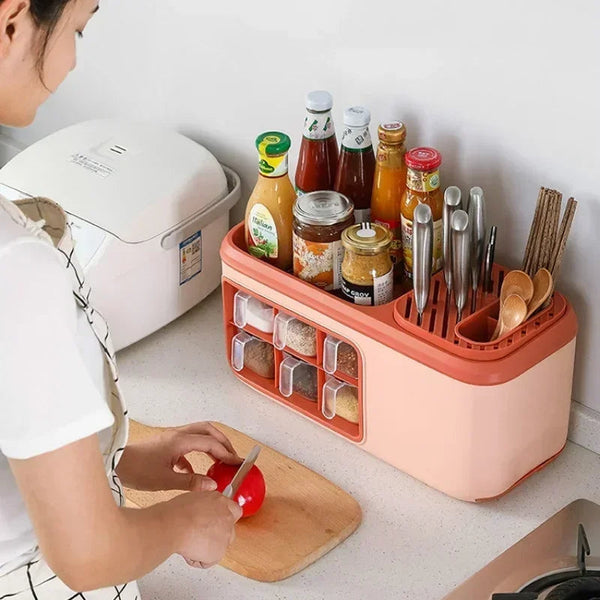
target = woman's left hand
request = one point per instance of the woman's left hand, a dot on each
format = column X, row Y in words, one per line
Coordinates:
column 160, row 464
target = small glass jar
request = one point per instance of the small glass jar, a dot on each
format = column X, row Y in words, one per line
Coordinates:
column 319, row 220
column 367, row 269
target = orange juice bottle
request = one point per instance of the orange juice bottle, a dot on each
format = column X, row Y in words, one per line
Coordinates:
column 389, row 185
column 269, row 213
column 422, row 187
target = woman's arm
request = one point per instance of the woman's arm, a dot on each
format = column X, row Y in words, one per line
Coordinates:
column 91, row 543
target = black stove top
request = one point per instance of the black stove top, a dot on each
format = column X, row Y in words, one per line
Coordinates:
column 579, row 584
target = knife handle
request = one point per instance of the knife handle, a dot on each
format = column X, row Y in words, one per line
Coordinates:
column 461, row 259
column 452, row 202
column 422, row 243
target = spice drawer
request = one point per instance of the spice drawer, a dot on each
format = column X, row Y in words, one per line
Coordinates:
column 467, row 417
column 299, row 379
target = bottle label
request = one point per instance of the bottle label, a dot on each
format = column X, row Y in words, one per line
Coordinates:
column 420, row 181
column 407, row 237
column 356, row 139
column 362, row 215
column 381, row 292
column 319, row 263
column 318, row 126
column 262, row 239
column 272, row 166
column 396, row 248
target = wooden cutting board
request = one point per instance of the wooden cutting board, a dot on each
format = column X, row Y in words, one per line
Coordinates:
column 303, row 517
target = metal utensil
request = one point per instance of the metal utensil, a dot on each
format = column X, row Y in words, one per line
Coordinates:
column 231, row 490
column 422, row 251
column 452, row 202
column 477, row 223
column 488, row 261
column 461, row 259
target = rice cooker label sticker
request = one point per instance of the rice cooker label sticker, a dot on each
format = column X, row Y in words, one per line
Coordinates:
column 190, row 257
column 91, row 164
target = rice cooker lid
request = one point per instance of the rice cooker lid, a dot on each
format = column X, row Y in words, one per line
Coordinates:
column 133, row 180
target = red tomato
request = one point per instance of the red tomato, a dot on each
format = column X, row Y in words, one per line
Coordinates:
column 251, row 494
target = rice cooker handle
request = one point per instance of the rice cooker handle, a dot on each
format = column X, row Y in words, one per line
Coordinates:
column 187, row 228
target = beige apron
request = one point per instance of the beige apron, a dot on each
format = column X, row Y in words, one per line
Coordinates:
column 47, row 221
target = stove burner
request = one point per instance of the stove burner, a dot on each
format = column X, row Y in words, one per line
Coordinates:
column 566, row 585
column 587, row 588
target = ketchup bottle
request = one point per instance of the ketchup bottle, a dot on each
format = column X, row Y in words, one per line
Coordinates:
column 318, row 158
column 356, row 168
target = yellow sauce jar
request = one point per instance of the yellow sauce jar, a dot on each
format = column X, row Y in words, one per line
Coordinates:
column 367, row 269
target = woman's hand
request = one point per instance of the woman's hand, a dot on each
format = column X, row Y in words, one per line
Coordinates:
column 203, row 524
column 160, row 464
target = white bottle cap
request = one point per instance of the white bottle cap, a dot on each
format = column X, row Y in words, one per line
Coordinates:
column 357, row 116
column 319, row 101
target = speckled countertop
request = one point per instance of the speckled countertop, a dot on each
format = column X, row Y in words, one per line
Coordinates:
column 414, row 542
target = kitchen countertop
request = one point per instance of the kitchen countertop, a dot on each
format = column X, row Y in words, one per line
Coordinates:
column 414, row 542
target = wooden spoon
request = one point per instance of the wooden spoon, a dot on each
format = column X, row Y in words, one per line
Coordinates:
column 542, row 289
column 512, row 314
column 515, row 282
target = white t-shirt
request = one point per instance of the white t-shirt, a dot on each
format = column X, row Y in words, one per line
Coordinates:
column 53, row 378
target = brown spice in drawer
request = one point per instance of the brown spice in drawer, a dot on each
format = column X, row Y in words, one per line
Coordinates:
column 259, row 357
column 347, row 360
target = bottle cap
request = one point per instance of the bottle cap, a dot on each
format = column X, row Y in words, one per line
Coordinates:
column 423, row 159
column 323, row 208
column 357, row 116
column 392, row 132
column 319, row 101
column 273, row 143
column 367, row 238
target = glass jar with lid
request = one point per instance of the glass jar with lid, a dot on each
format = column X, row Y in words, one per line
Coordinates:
column 319, row 220
column 367, row 269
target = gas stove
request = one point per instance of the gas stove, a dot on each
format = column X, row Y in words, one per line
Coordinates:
column 554, row 562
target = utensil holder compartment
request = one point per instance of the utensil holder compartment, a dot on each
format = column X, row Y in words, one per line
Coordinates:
column 469, row 417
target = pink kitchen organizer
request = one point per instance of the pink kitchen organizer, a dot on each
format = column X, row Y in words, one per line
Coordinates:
column 468, row 417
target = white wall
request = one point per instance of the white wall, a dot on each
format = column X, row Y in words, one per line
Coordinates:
column 510, row 95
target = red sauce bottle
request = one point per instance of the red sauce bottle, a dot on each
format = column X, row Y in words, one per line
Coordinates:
column 356, row 168
column 318, row 158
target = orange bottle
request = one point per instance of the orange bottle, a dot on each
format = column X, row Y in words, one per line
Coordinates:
column 422, row 187
column 389, row 185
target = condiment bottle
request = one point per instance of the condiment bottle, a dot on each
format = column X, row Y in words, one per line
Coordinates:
column 356, row 168
column 422, row 187
column 319, row 220
column 367, row 269
column 319, row 154
column 269, row 213
column 389, row 186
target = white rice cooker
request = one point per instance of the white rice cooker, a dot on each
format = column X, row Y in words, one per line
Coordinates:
column 148, row 209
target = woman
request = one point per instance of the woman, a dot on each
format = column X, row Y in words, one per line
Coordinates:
column 63, row 426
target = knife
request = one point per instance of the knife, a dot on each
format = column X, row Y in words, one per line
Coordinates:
column 231, row 490
column 477, row 223
column 452, row 202
column 461, row 259
column 422, row 247
column 489, row 261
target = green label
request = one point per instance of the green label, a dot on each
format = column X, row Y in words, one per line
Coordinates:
column 262, row 233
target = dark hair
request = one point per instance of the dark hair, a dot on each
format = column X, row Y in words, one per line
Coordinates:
column 46, row 14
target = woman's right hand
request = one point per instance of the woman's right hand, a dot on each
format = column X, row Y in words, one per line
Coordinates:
column 206, row 526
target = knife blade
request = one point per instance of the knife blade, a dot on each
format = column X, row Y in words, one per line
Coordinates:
column 231, row 490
